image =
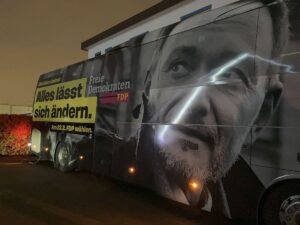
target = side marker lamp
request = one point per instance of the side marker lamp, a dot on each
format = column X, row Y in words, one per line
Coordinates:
column 131, row 170
column 195, row 185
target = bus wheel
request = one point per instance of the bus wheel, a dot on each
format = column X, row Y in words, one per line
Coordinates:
column 280, row 205
column 63, row 157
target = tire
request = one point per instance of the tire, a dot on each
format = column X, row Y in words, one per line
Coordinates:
column 63, row 157
column 280, row 205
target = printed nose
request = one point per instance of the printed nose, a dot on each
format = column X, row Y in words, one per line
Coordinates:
column 188, row 107
column 199, row 106
column 202, row 104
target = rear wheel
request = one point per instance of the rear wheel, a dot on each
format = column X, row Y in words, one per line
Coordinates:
column 290, row 211
column 280, row 205
column 63, row 157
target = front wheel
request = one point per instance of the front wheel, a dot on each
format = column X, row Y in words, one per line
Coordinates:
column 280, row 205
column 63, row 157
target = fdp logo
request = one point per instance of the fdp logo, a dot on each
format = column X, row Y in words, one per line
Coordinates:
column 114, row 97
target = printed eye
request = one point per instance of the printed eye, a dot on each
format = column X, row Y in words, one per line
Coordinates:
column 230, row 75
column 179, row 70
column 235, row 74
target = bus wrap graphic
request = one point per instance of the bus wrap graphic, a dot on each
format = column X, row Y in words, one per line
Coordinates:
column 65, row 102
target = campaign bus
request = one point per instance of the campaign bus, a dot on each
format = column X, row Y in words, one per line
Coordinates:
column 204, row 112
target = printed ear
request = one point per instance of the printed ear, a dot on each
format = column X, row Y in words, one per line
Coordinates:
column 147, row 110
column 147, row 84
column 136, row 111
column 145, row 96
column 270, row 103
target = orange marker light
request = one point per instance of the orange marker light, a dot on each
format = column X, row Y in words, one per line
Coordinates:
column 194, row 185
column 131, row 170
column 81, row 157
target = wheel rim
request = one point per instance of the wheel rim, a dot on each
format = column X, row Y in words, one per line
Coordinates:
column 63, row 156
column 290, row 211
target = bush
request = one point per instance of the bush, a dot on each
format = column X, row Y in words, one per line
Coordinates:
column 14, row 134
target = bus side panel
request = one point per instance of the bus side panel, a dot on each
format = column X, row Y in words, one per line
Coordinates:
column 276, row 149
column 65, row 113
column 163, row 140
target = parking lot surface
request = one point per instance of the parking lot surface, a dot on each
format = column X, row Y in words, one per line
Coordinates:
column 38, row 194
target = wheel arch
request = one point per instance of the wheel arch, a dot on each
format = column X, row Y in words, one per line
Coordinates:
column 277, row 184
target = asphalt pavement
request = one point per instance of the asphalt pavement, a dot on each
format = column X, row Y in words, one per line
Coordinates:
column 37, row 194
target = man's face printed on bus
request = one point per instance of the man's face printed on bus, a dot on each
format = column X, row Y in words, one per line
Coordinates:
column 206, row 80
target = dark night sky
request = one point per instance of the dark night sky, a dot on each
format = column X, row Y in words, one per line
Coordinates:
column 37, row 36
